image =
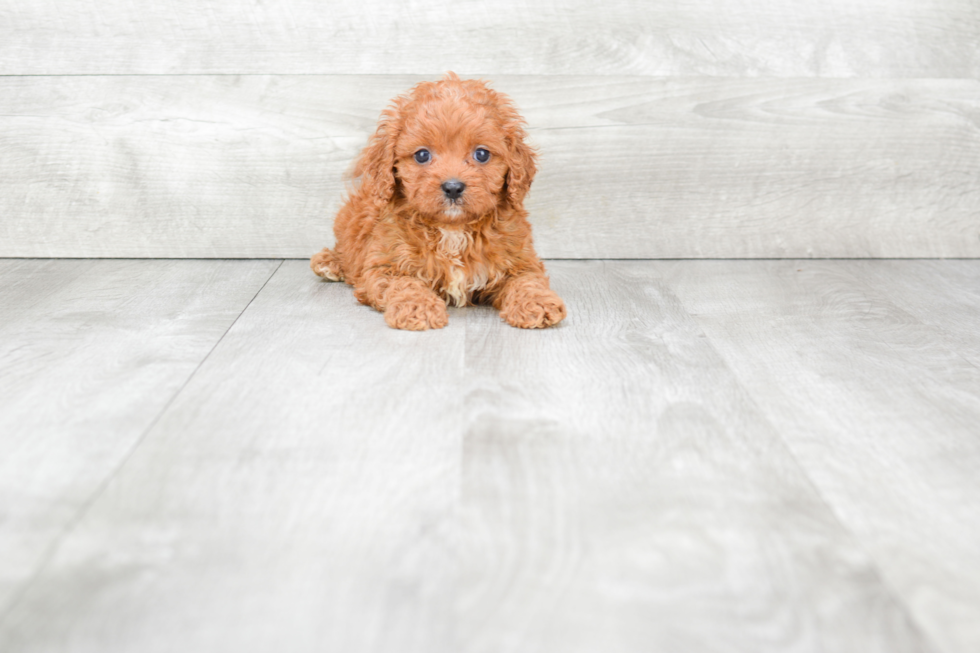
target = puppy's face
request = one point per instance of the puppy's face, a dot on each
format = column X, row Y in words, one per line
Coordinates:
column 451, row 158
column 453, row 149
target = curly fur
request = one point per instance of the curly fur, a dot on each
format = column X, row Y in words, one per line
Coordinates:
column 407, row 249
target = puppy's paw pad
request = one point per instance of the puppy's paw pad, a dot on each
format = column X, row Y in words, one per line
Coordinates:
column 417, row 314
column 534, row 310
column 325, row 265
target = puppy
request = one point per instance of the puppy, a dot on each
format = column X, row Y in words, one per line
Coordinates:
column 437, row 215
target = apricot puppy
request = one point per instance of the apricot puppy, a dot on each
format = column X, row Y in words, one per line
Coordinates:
column 437, row 215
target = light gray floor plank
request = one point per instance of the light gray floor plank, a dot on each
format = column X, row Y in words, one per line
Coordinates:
column 296, row 496
column 789, row 38
column 622, row 492
column 869, row 370
column 943, row 294
column 90, row 354
column 631, row 167
column 323, row 482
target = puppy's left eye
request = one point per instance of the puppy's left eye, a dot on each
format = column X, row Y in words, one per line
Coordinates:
column 481, row 155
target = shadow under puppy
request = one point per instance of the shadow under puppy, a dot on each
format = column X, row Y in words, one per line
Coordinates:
column 437, row 214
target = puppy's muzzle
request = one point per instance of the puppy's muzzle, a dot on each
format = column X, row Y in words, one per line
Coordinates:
column 453, row 189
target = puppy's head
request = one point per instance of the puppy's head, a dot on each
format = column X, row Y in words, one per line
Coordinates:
column 453, row 149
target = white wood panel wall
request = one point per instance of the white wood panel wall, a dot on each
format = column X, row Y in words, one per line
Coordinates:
column 787, row 38
column 667, row 130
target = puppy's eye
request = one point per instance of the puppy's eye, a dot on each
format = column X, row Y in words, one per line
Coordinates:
column 422, row 156
column 481, row 155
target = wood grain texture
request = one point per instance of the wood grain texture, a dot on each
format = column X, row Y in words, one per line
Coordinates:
column 252, row 166
column 90, row 354
column 622, row 492
column 326, row 483
column 298, row 495
column 794, row 38
column 942, row 294
column 869, row 370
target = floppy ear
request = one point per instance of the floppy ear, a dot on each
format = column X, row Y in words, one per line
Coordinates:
column 376, row 166
column 521, row 157
column 521, row 172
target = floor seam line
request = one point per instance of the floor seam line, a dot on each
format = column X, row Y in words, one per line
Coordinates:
column 94, row 497
column 750, row 396
column 886, row 585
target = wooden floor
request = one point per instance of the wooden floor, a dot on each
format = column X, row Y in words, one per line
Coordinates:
column 706, row 456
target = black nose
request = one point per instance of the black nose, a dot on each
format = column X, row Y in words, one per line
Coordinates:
column 453, row 188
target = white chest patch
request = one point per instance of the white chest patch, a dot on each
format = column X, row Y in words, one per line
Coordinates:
column 461, row 282
column 454, row 242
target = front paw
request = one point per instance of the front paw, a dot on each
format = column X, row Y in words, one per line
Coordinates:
column 533, row 308
column 417, row 313
column 326, row 265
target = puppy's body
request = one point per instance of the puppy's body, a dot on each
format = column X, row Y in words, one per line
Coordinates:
column 438, row 214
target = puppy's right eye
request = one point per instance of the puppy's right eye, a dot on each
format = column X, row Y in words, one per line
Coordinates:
column 422, row 156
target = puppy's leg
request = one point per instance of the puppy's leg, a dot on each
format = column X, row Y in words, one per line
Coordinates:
column 406, row 302
column 410, row 304
column 527, row 301
column 325, row 264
